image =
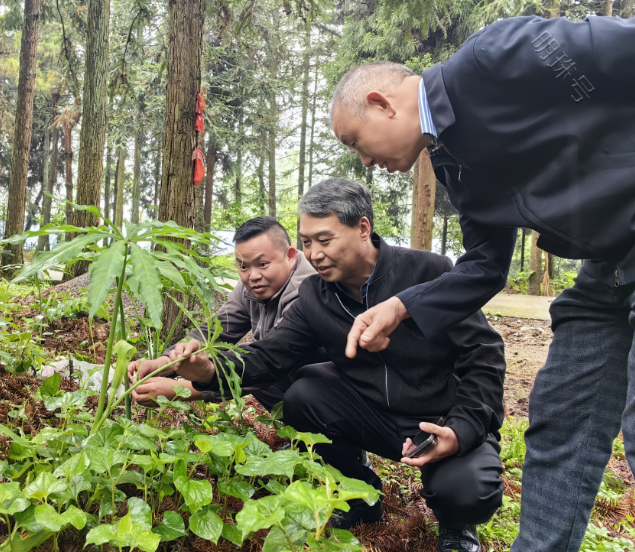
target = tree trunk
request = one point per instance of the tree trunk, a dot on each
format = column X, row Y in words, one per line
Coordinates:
column 136, row 179
column 312, row 142
column 68, row 160
column 115, row 189
column 184, row 81
column 522, row 249
column 628, row 9
column 43, row 243
column 423, row 195
column 120, row 184
column 92, row 135
column 607, row 8
column 209, row 185
column 555, row 9
column 157, row 176
column 239, row 156
column 444, row 237
column 535, row 266
column 273, row 118
column 305, row 110
column 22, row 130
column 107, row 181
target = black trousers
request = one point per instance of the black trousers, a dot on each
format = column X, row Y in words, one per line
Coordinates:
column 271, row 396
column 461, row 490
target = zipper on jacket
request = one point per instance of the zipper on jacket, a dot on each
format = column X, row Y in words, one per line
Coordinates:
column 385, row 367
column 617, row 279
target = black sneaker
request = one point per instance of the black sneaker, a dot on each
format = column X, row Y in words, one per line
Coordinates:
column 360, row 512
column 457, row 540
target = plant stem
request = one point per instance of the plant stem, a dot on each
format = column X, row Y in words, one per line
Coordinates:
column 126, row 383
column 111, row 340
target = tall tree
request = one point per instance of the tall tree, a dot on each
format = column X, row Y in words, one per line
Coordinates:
column 22, row 128
column 92, row 135
column 184, row 82
column 120, row 185
column 209, row 184
column 306, row 61
column 423, row 196
column 273, row 113
column 535, row 266
column 136, row 176
column 107, row 181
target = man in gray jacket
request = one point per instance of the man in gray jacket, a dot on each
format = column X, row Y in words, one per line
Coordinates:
column 271, row 271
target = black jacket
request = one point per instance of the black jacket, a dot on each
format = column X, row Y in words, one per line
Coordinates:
column 458, row 374
column 537, row 123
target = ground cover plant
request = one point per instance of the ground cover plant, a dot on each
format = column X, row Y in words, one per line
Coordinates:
column 67, row 476
column 79, row 469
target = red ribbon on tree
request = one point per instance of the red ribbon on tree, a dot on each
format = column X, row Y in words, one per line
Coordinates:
column 200, row 106
column 199, row 166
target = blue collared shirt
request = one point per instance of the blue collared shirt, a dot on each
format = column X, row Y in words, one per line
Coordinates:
column 351, row 303
column 427, row 124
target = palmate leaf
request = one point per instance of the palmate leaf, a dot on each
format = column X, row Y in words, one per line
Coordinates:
column 169, row 271
column 61, row 253
column 149, row 280
column 103, row 272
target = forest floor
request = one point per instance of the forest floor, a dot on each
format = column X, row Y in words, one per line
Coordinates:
column 410, row 526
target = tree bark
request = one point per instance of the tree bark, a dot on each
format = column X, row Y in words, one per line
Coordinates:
column 68, row 160
column 535, row 266
column 209, row 185
column 107, row 181
column 607, row 8
column 184, row 81
column 43, row 242
column 121, row 184
column 423, row 195
column 115, row 189
column 303, row 125
column 444, row 237
column 22, row 130
column 522, row 249
column 136, row 179
column 92, row 135
column 312, row 142
column 628, row 9
column 273, row 118
column 239, row 155
column 157, row 176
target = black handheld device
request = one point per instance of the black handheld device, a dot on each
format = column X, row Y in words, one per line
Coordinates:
column 424, row 442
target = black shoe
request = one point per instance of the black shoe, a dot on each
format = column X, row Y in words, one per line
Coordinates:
column 456, row 540
column 360, row 512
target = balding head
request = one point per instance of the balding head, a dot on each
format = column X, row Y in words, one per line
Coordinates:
column 352, row 90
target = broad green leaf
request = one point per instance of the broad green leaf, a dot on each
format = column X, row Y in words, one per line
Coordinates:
column 140, row 512
column 207, row 525
column 26, row 544
column 276, row 540
column 237, row 488
column 106, row 437
column 44, row 485
column 100, row 534
column 203, row 445
column 196, row 493
column 103, row 459
column 51, row 385
column 169, row 271
column 62, row 252
column 256, row 447
column 11, row 500
column 282, row 462
column 355, row 486
column 124, row 352
column 287, row 432
column 149, row 280
column 25, row 520
column 303, row 493
column 78, row 484
column 75, row 465
column 181, row 391
column 103, row 272
column 259, row 514
column 172, row 527
column 47, row 517
column 312, row 439
column 233, row 534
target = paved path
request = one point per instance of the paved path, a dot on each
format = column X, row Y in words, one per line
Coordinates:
column 521, row 306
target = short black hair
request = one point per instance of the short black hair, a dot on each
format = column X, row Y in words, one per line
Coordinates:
column 263, row 225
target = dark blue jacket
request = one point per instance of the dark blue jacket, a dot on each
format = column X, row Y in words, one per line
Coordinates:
column 536, row 120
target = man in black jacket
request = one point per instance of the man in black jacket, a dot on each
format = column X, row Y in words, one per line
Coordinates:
column 381, row 400
column 530, row 124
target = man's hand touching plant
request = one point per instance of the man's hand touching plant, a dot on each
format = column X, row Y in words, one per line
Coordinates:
column 191, row 365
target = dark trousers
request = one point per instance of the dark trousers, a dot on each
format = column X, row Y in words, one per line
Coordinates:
column 461, row 490
column 581, row 397
column 271, row 396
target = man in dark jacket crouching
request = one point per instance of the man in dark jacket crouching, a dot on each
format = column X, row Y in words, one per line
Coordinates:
column 381, row 400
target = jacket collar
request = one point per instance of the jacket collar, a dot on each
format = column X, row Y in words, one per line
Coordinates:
column 440, row 107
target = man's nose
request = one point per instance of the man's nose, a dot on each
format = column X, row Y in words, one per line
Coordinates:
column 255, row 274
column 367, row 160
column 316, row 253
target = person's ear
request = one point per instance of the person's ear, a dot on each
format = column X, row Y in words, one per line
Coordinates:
column 292, row 254
column 365, row 228
column 379, row 101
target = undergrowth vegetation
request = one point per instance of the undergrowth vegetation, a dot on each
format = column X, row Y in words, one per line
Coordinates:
column 81, row 467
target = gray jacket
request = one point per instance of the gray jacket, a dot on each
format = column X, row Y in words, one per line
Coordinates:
column 244, row 312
